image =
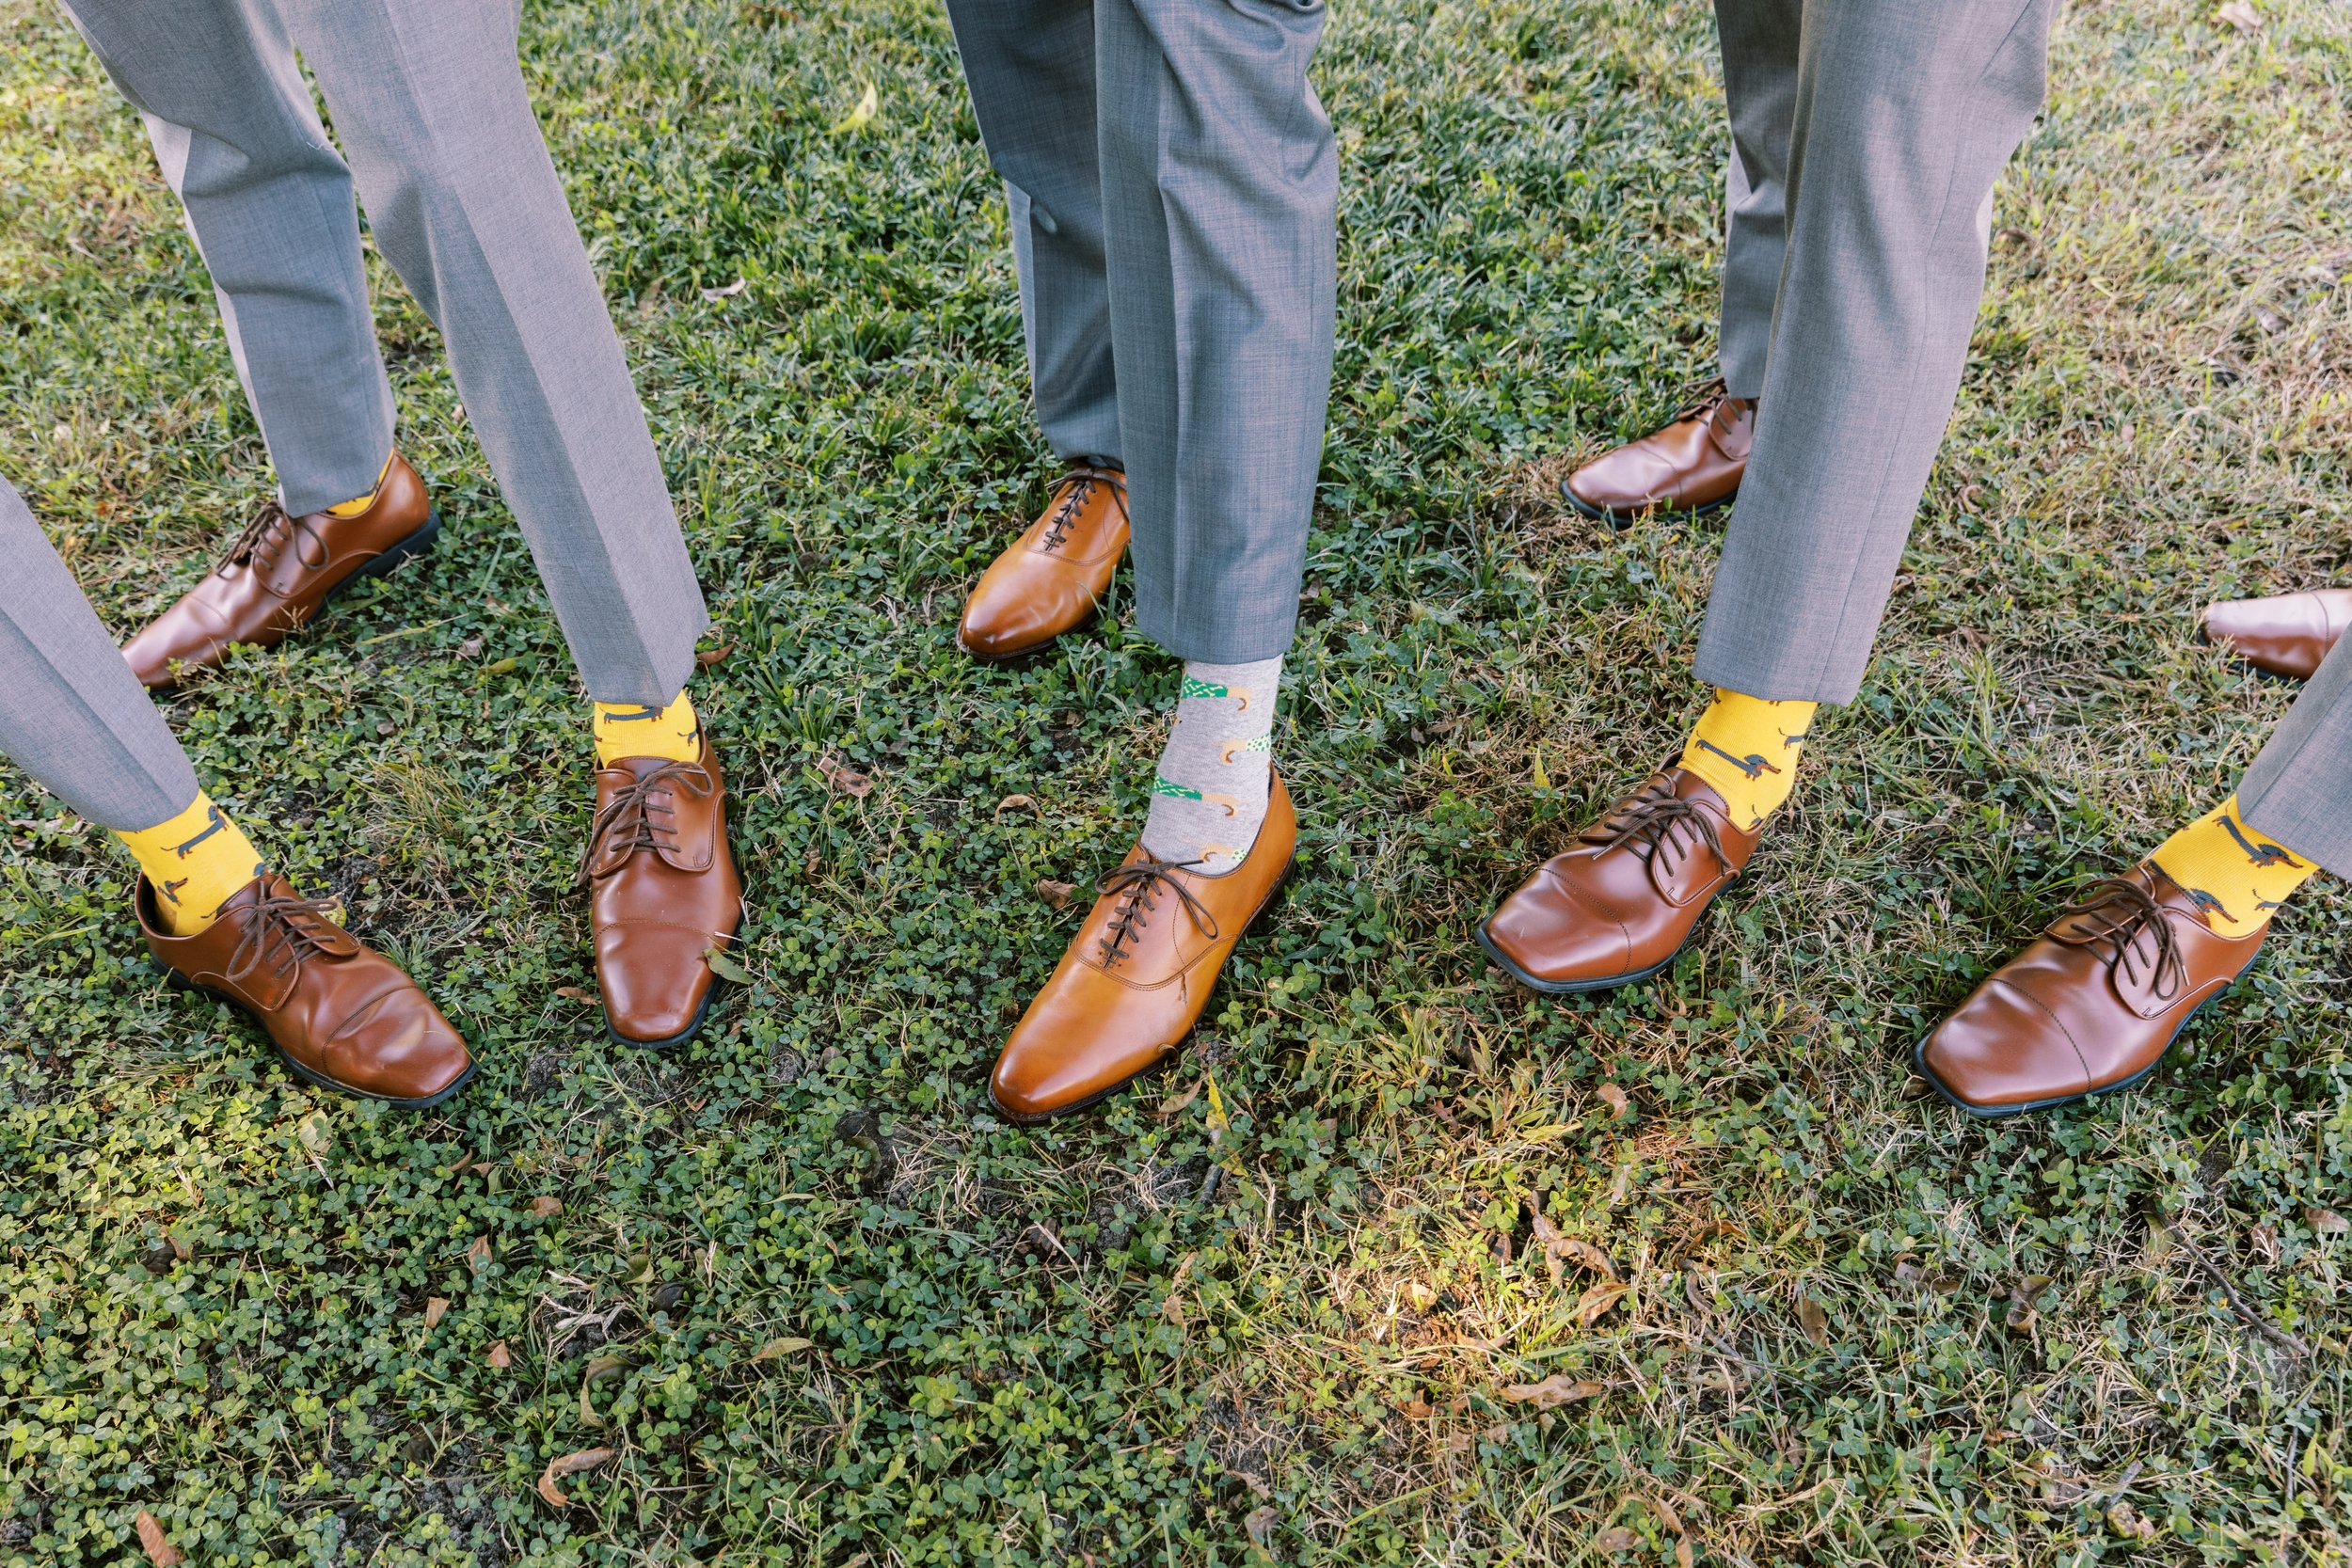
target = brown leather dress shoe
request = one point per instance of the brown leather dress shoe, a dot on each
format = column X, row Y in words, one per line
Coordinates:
column 2289, row 634
column 2090, row 1006
column 1137, row 974
column 1619, row 907
column 663, row 893
column 1055, row 575
column 1694, row 463
column 342, row 1016
column 280, row 572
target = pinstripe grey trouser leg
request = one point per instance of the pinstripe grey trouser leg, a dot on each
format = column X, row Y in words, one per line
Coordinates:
column 71, row 714
column 429, row 105
column 1760, row 44
column 1217, row 179
column 2299, row 788
column 1904, row 112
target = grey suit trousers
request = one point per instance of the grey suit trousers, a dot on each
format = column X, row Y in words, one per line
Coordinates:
column 429, row 103
column 71, row 714
column 1174, row 191
column 1867, row 135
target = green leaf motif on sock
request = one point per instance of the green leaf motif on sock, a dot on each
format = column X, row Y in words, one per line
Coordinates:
column 1201, row 688
column 1162, row 784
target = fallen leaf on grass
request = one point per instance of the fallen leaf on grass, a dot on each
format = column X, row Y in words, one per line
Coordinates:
column 2124, row 1521
column 1599, row 1300
column 479, row 1254
column 858, row 117
column 1259, row 1523
column 1554, row 1391
column 710, row 657
column 1592, row 1258
column 545, row 1207
column 500, row 1355
column 1057, row 895
column 2327, row 1221
column 314, row 1132
column 712, row 296
column 158, row 1548
column 573, row 993
column 1814, row 1320
column 785, row 1346
column 1616, row 1538
column 1620, row 1104
column 569, row 1464
column 1011, row 801
column 435, row 1309
column 726, row 967
column 1174, row 1104
column 2238, row 14
column 844, row 778
column 2021, row 1297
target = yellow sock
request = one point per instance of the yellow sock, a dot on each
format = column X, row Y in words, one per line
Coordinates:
column 1747, row 747
column 357, row 504
column 634, row 730
column 2232, row 873
column 196, row 861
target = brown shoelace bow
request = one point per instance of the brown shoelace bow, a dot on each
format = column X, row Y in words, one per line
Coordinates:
column 278, row 928
column 268, row 534
column 1141, row 882
column 640, row 817
column 1647, row 820
column 1710, row 398
column 1070, row 496
column 2123, row 908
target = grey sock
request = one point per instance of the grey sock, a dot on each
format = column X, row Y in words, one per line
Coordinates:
column 1209, row 800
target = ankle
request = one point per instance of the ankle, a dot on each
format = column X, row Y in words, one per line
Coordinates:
column 673, row 731
column 196, row 861
column 1747, row 749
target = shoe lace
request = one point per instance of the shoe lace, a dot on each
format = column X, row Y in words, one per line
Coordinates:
column 1135, row 885
column 263, row 539
column 2118, row 909
column 276, row 928
column 1647, row 820
column 1711, row 397
column 642, row 815
column 1070, row 496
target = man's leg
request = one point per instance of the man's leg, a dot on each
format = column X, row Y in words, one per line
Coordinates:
column 1220, row 206
column 1031, row 67
column 73, row 717
column 1906, row 111
column 2299, row 788
column 270, row 206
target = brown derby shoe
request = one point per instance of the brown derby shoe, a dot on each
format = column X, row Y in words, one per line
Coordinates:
column 2090, row 1006
column 1620, row 906
column 280, row 572
column 1051, row 578
column 2289, row 634
column 663, row 893
column 1692, row 463
column 344, row 1016
column 1135, row 977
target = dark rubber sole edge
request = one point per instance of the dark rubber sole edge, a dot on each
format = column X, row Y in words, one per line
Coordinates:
column 177, row 981
column 1602, row 513
column 1281, row 884
column 2002, row 1112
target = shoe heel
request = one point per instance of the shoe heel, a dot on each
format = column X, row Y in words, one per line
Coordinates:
column 415, row 545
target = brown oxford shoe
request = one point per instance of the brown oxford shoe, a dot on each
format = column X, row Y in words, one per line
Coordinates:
column 1620, row 906
column 1051, row 578
column 344, row 1016
column 1694, row 463
column 2289, row 634
column 663, row 893
column 280, row 572
column 2090, row 1006
column 1137, row 974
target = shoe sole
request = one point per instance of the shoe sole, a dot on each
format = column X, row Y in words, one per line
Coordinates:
column 1578, row 988
column 177, row 981
column 2002, row 1112
column 1013, row 656
column 1604, row 514
column 1018, row 1118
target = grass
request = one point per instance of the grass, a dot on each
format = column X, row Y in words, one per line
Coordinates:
column 1268, row 1305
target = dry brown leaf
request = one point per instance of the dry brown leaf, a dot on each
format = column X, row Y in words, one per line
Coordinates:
column 574, row 993
column 1011, row 801
column 1682, row 1554
column 158, row 1548
column 1417, row 1408
column 180, row 1249
column 435, row 1309
column 545, row 1208
column 569, row 1464
column 1620, row 1103
column 1420, row 1294
column 1599, row 1300
column 2265, row 1238
column 477, row 1254
column 1057, row 895
column 785, row 1346
column 501, row 1356
column 1260, row 1524
column 1173, row 1310
column 1666, row 1514
column 1616, row 1538
column 1814, row 1320
column 1593, row 1259
column 2327, row 1221
column 1176, row 1103
column 727, row 291
column 710, row 657
column 2238, row 14
column 2125, row 1521
column 844, row 778
column 1554, row 1391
